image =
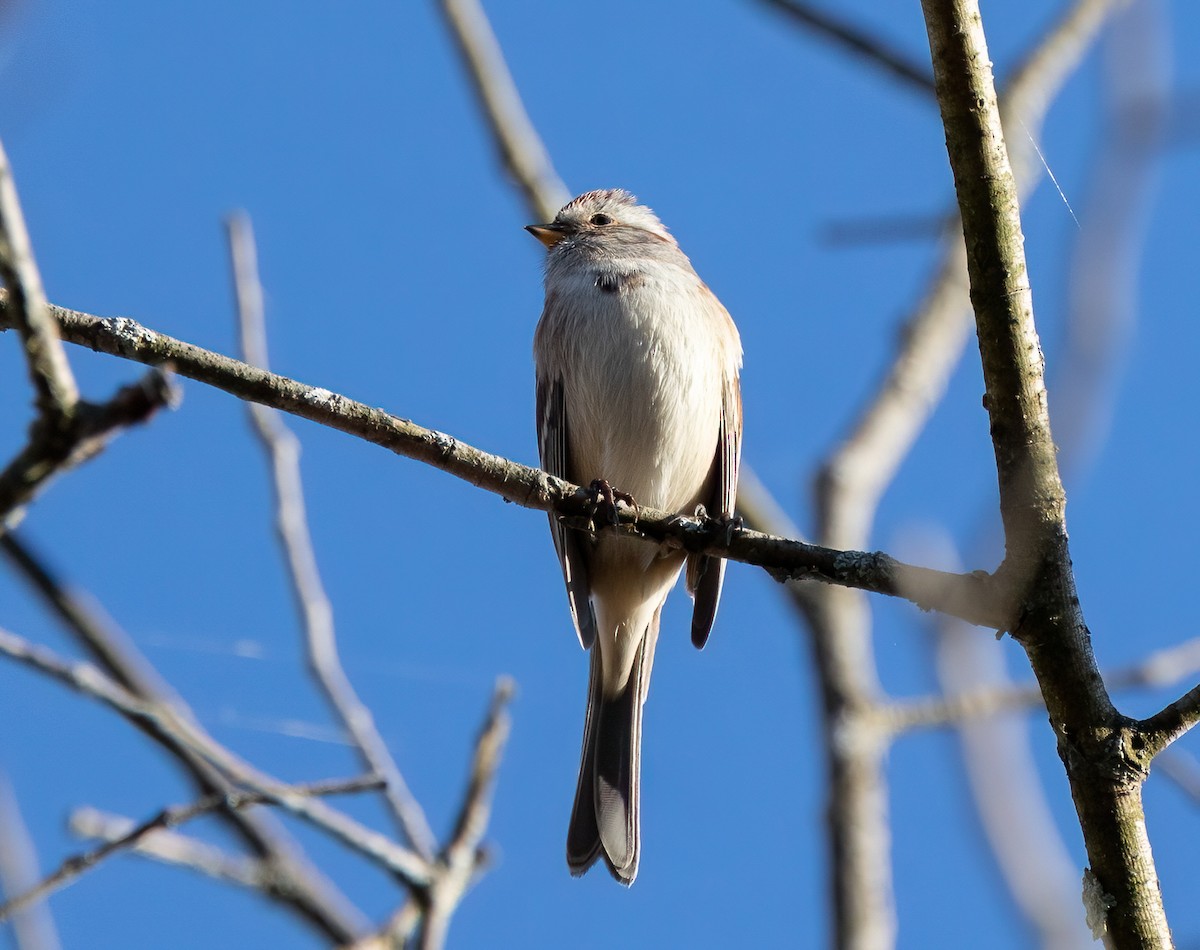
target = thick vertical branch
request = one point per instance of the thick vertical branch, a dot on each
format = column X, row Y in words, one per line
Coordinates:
column 1104, row 762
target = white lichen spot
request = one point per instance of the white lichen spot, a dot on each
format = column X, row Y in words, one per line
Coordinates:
column 1096, row 904
column 126, row 330
column 446, row 443
column 319, row 397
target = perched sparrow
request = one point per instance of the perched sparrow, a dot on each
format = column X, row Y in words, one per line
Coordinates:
column 637, row 386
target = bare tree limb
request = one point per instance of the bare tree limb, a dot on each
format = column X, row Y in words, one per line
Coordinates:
column 282, row 450
column 850, row 485
column 1161, row 668
column 53, row 381
column 293, row 881
column 168, row 818
column 1171, row 722
column 1107, row 793
column 1034, row 857
column 462, row 859
column 91, row 682
column 973, row 597
column 55, row 448
column 66, row 430
column 170, row 847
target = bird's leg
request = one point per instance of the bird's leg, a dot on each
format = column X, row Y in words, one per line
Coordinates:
column 727, row 524
column 606, row 497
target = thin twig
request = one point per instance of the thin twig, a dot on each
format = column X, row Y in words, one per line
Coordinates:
column 1171, row 722
column 463, row 858
column 58, row 447
column 91, row 682
column 282, row 450
column 53, row 381
column 170, row 847
column 173, row 817
column 1159, row 669
column 293, row 882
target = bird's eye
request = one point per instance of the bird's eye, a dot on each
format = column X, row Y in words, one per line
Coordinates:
column 600, row 220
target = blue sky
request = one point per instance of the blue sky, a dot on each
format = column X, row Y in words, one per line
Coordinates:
column 397, row 273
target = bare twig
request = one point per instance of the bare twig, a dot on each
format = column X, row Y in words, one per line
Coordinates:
column 32, row 927
column 170, row 847
column 66, row 431
column 53, row 381
column 282, row 449
column 91, row 682
column 55, row 448
column 1161, row 668
column 1171, row 722
column 462, row 859
column 293, row 881
column 522, row 152
column 173, row 817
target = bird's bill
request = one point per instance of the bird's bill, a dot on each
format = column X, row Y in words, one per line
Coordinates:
column 548, row 234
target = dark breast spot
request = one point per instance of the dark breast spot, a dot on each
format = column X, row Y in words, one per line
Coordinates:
column 611, row 283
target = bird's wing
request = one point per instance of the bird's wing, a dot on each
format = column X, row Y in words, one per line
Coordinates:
column 554, row 449
column 706, row 574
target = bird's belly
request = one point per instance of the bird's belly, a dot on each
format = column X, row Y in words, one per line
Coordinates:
column 647, row 416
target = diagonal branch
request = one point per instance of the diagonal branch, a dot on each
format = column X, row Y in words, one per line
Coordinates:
column 169, row 818
column 53, row 381
column 91, row 682
column 1171, row 722
column 53, row 449
column 463, row 858
column 973, row 597
column 283, row 453
column 292, row 881
column 170, row 847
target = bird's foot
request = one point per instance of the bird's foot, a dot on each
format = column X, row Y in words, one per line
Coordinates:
column 726, row 524
column 605, row 498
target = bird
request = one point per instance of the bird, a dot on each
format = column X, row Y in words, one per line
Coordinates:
column 638, row 369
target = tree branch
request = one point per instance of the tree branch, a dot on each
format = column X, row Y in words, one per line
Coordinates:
column 1105, row 783
column 91, row 682
column 293, row 881
column 54, row 448
column 53, row 381
column 282, row 450
column 973, row 597
column 169, row 818
column 463, row 858
column 1168, row 724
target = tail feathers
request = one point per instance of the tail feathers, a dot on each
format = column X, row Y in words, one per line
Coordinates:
column 605, row 818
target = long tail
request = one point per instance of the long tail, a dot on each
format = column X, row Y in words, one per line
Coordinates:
column 605, row 818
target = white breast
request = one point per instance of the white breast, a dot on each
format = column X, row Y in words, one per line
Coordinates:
column 643, row 374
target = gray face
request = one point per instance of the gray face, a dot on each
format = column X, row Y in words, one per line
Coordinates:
column 601, row 223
